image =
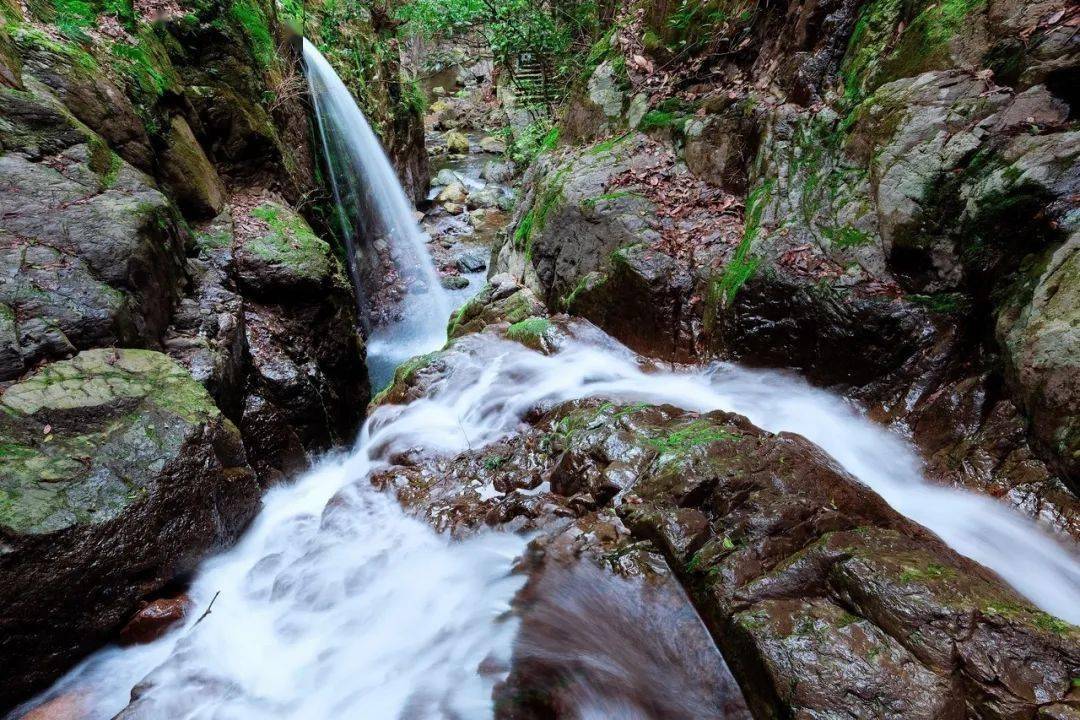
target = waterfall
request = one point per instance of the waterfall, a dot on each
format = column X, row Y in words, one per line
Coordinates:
column 371, row 206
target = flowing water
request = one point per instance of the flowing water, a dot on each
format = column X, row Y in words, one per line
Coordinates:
column 372, row 205
column 337, row 604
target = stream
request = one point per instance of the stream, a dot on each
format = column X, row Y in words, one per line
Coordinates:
column 336, row 603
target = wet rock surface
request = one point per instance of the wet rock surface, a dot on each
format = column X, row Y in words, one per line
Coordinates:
column 119, row 474
column 822, row 598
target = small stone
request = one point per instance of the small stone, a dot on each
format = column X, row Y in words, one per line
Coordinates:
column 154, row 619
column 453, row 208
column 455, row 282
column 471, row 261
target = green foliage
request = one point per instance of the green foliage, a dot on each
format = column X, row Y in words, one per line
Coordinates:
column 694, row 434
column 136, row 65
column 494, row 462
column 535, row 138
column 413, row 98
column 696, row 25
column 592, row 202
column 742, row 265
column 528, row 331
column 656, row 119
column 945, row 303
column 250, row 16
column 513, row 29
column 846, row 236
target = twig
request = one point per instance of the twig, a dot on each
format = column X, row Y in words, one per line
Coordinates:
column 207, row 611
column 464, row 433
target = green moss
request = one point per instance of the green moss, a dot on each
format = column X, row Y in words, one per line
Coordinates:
column 1045, row 621
column 536, row 217
column 847, row 237
column 141, row 70
column 657, row 119
column 29, row 36
column 590, row 281
column 605, row 146
column 249, row 15
column 529, row 331
column 694, row 434
column 873, row 30
column 932, row 571
column 291, row 242
column 592, row 202
column 72, row 17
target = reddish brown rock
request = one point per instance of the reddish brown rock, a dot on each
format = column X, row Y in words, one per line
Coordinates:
column 154, row 619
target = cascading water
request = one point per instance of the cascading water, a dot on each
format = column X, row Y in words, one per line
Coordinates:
column 372, row 205
column 336, row 604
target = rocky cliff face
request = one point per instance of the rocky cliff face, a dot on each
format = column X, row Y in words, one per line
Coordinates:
column 881, row 196
column 174, row 335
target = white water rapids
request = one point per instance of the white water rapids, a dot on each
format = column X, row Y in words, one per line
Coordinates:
column 372, row 204
column 336, row 604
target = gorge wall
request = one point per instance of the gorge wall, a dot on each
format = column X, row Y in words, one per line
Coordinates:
column 177, row 327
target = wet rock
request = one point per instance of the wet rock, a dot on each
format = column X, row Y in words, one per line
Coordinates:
column 500, row 300
column 487, row 197
column 454, row 282
column 121, row 475
column 154, row 619
column 640, row 300
column 453, row 193
column 87, row 90
column 91, row 252
column 457, row 142
column 718, row 147
column 188, row 174
column 68, row 706
column 496, row 171
column 492, row 145
column 471, row 261
column 445, row 177
column 281, row 254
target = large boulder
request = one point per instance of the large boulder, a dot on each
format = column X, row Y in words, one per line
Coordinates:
column 118, row 475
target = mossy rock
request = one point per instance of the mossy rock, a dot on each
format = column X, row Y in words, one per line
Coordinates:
column 83, row 438
column 117, row 475
column 284, row 254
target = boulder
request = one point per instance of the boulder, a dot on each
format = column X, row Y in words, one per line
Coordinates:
column 500, row 300
column 119, row 475
column 457, row 142
column 453, row 193
column 188, row 174
column 492, row 145
column 279, row 253
column 91, row 252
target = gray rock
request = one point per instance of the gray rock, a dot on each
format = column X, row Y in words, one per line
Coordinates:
column 471, row 261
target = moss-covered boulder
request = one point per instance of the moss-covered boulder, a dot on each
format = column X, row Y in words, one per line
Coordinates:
column 502, row 300
column 279, row 253
column 187, row 172
column 117, row 474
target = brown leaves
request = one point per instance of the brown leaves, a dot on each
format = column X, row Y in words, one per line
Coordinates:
column 691, row 214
